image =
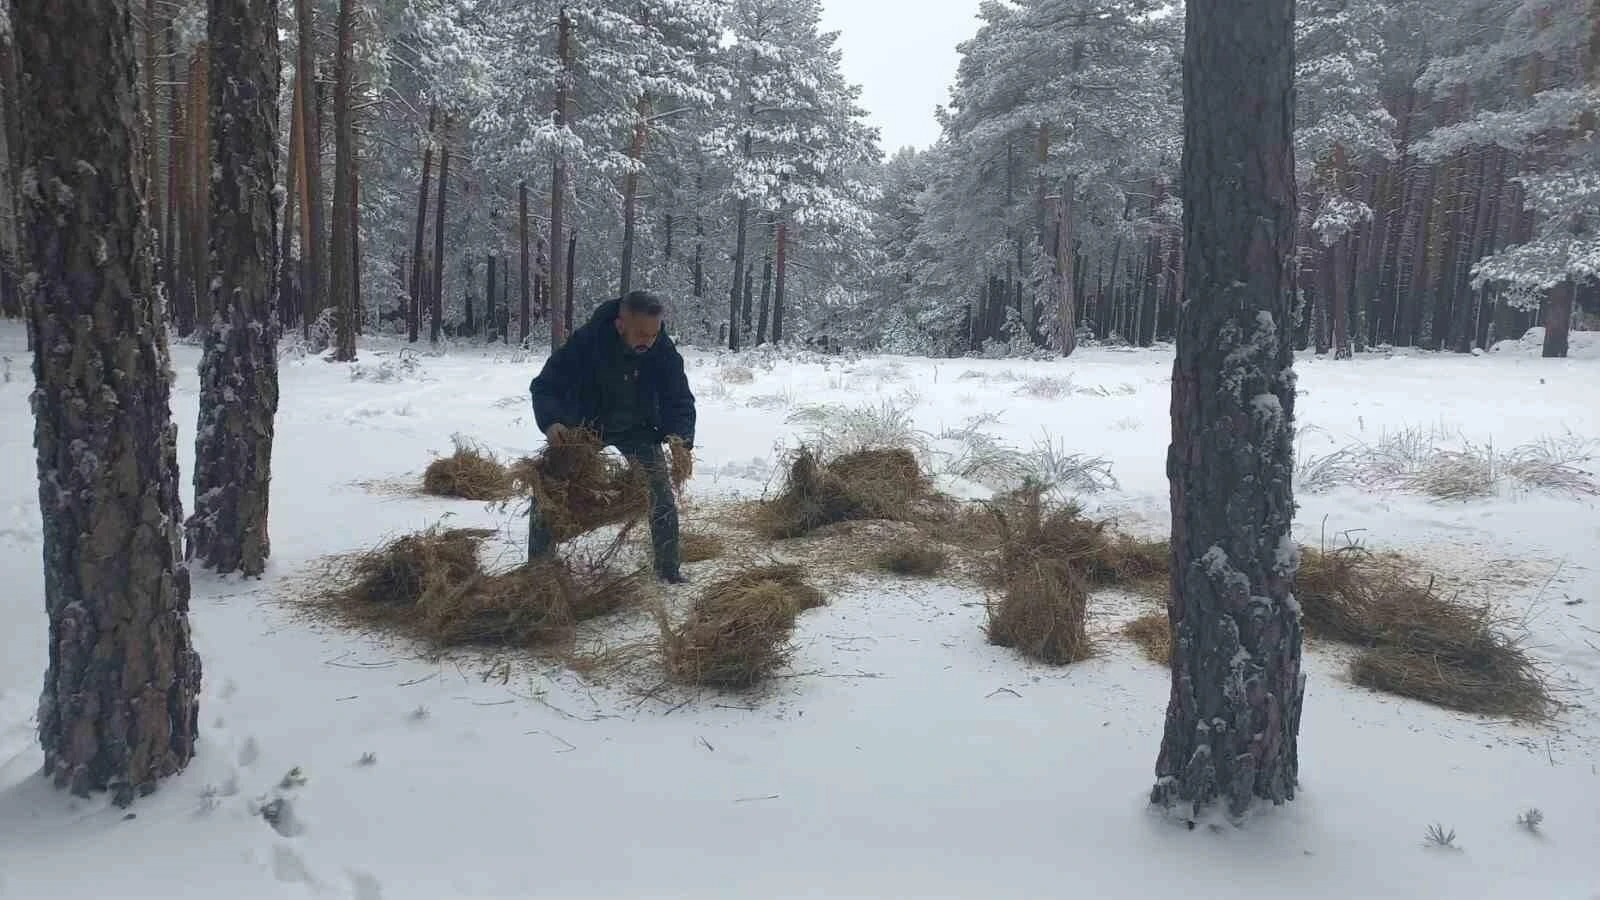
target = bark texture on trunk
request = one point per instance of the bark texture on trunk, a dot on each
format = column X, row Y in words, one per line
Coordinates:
column 1067, row 305
column 1558, row 320
column 526, row 276
column 343, row 256
column 288, row 276
column 630, row 192
column 239, row 371
column 119, row 707
column 766, row 288
column 1233, row 718
column 777, row 289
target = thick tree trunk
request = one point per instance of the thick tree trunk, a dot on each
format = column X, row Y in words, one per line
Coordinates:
column 526, row 276
column 436, row 290
column 777, row 289
column 559, row 321
column 239, row 372
column 119, row 708
column 344, row 195
column 1558, row 320
column 1233, row 719
column 313, row 298
column 1066, row 337
column 414, row 310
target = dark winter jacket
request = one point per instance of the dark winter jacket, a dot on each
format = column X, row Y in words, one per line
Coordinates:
column 570, row 390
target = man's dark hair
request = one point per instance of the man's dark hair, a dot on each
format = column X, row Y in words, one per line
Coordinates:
column 643, row 303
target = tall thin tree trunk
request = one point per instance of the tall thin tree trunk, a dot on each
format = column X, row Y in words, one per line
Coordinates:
column 1233, row 718
column 312, row 297
column 182, row 221
column 436, row 291
column 414, row 310
column 526, row 276
column 119, row 710
column 630, row 191
column 489, row 320
column 355, row 232
column 151, row 137
column 559, row 321
column 200, row 185
column 699, row 240
column 1558, row 320
column 239, row 372
column 171, row 245
column 740, row 229
column 344, row 195
column 287, row 275
column 779, row 275
column 766, row 287
column 571, row 280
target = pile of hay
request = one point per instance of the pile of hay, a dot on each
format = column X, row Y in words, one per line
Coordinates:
column 738, row 630
column 432, row 587
column 1043, row 611
column 469, row 473
column 1418, row 643
column 918, row 559
column 866, row 484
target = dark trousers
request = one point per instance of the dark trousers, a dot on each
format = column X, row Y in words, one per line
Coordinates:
column 663, row 508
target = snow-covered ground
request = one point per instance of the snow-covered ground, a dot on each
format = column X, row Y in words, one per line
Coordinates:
column 904, row 758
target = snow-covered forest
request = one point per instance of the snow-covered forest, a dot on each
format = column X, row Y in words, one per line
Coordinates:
column 557, row 448
column 712, row 150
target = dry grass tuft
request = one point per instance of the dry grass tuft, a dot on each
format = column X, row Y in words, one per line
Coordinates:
column 1031, row 527
column 695, row 546
column 1419, row 643
column 1153, row 634
column 908, row 558
column 866, row 484
column 1042, row 612
column 737, row 632
column 431, row 586
column 469, row 473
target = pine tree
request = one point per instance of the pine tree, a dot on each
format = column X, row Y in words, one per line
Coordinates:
column 1233, row 718
column 119, row 707
column 239, row 371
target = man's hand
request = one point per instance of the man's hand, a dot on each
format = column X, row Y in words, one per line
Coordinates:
column 682, row 459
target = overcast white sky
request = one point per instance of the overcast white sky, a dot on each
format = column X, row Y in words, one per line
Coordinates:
column 903, row 54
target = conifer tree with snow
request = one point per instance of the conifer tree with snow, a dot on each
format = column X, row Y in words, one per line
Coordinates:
column 1233, row 716
column 119, row 707
column 239, row 371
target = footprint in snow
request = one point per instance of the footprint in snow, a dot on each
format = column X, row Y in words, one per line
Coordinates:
column 288, row 866
column 249, row 753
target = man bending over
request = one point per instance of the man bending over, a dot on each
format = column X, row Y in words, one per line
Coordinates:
column 621, row 376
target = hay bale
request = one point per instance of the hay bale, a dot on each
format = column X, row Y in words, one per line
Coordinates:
column 1042, row 612
column 405, row 571
column 737, row 632
column 1153, row 635
column 1030, row 527
column 866, row 484
column 908, row 558
column 540, row 602
column 469, row 473
column 1498, row 686
column 695, row 546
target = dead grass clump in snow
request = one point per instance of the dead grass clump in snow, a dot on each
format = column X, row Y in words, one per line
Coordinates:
column 1042, row 612
column 469, row 473
column 1153, row 634
column 918, row 559
column 738, row 375
column 404, row 572
column 866, row 484
column 696, row 546
column 1419, row 643
column 432, row 586
column 1412, row 460
column 1031, row 527
column 738, row 630
column 539, row 602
